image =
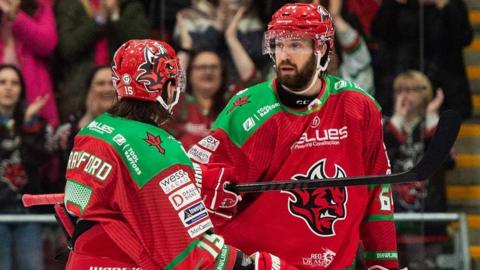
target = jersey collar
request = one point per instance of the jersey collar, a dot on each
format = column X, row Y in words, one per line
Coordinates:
column 313, row 106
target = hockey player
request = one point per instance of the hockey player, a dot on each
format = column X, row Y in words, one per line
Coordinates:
column 304, row 124
column 130, row 183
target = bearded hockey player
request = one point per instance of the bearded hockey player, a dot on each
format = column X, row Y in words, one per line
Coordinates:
column 130, row 183
column 304, row 124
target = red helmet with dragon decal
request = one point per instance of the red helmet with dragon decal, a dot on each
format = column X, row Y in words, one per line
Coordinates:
column 142, row 69
column 300, row 20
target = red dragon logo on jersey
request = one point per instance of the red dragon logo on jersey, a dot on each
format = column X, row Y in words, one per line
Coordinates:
column 151, row 73
column 320, row 208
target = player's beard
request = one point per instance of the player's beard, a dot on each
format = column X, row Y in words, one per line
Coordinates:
column 299, row 80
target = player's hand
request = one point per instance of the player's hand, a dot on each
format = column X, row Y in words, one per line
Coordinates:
column 436, row 102
column 211, row 180
column 267, row 261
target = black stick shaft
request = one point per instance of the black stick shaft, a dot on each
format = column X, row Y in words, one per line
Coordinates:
column 437, row 152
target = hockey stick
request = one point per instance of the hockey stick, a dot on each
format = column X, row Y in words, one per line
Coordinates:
column 437, row 152
column 42, row 199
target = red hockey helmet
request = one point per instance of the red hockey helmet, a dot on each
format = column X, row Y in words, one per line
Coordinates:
column 141, row 68
column 300, row 20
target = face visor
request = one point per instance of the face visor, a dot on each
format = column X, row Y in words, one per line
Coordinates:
column 293, row 43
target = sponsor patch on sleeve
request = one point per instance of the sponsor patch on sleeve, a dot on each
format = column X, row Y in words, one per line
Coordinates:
column 174, row 181
column 199, row 155
column 210, row 143
column 184, row 196
column 193, row 214
column 200, row 228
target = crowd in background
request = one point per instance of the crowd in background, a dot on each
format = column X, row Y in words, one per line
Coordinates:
column 55, row 78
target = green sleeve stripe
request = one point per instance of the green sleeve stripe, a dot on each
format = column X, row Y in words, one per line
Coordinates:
column 381, row 255
column 222, row 258
column 184, row 254
column 77, row 194
column 379, row 218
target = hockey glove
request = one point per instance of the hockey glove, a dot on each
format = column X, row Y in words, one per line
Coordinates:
column 211, row 180
column 266, row 261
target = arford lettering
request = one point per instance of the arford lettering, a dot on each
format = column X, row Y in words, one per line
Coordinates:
column 91, row 164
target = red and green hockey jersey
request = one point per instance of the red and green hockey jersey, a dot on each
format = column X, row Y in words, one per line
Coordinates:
column 339, row 134
column 136, row 181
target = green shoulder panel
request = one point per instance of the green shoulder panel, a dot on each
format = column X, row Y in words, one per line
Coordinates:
column 145, row 149
column 338, row 85
column 247, row 111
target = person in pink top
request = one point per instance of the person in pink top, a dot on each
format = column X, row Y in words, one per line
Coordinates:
column 28, row 38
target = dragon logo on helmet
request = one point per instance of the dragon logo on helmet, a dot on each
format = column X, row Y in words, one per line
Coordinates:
column 143, row 68
column 320, row 208
column 150, row 73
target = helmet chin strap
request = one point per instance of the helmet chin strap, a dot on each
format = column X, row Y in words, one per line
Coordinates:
column 319, row 68
column 176, row 95
column 162, row 102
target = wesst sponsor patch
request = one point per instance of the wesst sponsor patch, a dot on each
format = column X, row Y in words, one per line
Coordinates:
column 174, row 181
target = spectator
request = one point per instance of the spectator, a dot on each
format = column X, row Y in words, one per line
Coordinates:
column 205, row 97
column 230, row 28
column 89, row 31
column 353, row 61
column 28, row 39
column 427, row 35
column 22, row 151
column 407, row 135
